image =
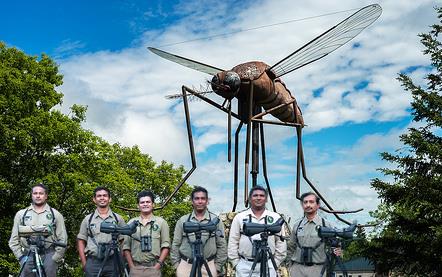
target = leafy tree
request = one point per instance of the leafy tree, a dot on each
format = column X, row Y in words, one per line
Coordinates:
column 39, row 143
column 409, row 241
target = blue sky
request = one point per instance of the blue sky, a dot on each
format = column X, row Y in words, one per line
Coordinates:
column 352, row 104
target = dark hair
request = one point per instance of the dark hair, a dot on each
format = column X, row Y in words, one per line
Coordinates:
column 97, row 189
column 258, row 188
column 145, row 193
column 304, row 195
column 41, row 185
column 199, row 189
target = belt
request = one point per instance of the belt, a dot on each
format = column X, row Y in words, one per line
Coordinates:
column 93, row 257
column 147, row 264
column 308, row 264
column 190, row 261
column 247, row 259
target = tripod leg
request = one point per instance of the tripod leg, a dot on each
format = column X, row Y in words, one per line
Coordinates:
column 25, row 263
column 206, row 266
column 193, row 271
column 255, row 261
column 39, row 265
column 272, row 259
column 104, row 262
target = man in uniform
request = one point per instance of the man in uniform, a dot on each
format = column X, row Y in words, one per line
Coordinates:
column 306, row 249
column 39, row 216
column 240, row 247
column 215, row 253
column 148, row 247
column 91, row 243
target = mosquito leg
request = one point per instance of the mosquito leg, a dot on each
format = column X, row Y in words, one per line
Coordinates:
column 235, row 174
column 264, row 166
column 248, row 139
column 191, row 148
column 229, row 132
column 304, row 175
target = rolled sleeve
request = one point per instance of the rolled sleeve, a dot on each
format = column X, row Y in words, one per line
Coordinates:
column 221, row 248
column 83, row 234
column 280, row 247
column 127, row 243
column 165, row 235
column 61, row 235
column 176, row 243
column 233, row 246
column 14, row 241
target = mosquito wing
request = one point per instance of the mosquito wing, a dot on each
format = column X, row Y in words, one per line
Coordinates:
column 329, row 41
column 205, row 68
column 202, row 90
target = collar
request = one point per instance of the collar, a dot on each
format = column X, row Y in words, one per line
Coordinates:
column 317, row 220
column 46, row 208
column 153, row 218
column 206, row 216
column 264, row 214
column 109, row 214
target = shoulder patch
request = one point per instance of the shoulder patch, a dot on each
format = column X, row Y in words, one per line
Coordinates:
column 155, row 227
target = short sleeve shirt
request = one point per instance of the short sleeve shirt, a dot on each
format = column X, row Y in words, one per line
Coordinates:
column 157, row 230
column 90, row 230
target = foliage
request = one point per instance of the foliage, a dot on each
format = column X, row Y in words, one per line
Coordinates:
column 39, row 143
column 410, row 240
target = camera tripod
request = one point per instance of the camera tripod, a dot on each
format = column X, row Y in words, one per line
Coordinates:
column 37, row 246
column 332, row 259
column 198, row 257
column 113, row 247
column 262, row 255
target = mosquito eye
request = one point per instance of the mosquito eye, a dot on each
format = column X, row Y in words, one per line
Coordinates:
column 233, row 81
column 215, row 79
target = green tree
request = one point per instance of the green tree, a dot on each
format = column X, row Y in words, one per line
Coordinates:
column 409, row 240
column 39, row 143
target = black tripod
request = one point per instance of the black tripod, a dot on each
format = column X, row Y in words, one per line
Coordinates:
column 37, row 246
column 113, row 249
column 332, row 259
column 198, row 257
column 262, row 254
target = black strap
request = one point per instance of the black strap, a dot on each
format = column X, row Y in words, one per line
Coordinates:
column 296, row 234
column 211, row 234
column 89, row 226
column 50, row 208
column 139, row 228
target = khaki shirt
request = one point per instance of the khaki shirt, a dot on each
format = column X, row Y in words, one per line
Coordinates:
column 241, row 245
column 91, row 232
column 215, row 245
column 307, row 234
column 29, row 217
column 157, row 229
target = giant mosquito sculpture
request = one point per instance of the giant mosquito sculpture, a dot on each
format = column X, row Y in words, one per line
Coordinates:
column 257, row 86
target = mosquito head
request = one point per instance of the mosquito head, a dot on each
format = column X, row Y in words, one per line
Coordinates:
column 226, row 84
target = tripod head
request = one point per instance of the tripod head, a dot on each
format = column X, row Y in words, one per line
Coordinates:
column 28, row 231
column 37, row 235
column 250, row 228
column 195, row 227
column 111, row 228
